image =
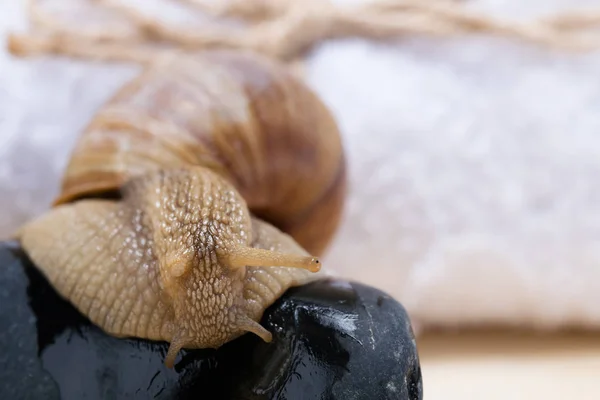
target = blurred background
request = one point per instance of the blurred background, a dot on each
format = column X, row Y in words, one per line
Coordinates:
column 471, row 129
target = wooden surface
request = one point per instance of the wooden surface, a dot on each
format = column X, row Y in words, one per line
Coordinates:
column 510, row 366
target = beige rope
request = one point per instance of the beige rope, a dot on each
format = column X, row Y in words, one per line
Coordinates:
column 287, row 29
column 257, row 10
column 83, row 48
column 574, row 20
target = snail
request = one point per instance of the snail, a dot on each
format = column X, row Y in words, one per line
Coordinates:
column 196, row 196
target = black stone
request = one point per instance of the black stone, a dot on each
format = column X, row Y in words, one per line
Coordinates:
column 332, row 340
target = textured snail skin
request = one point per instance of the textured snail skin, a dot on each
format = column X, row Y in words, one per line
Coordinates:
column 191, row 200
column 157, row 264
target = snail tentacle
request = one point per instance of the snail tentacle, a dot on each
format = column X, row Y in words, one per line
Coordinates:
column 239, row 257
column 252, row 326
column 177, row 343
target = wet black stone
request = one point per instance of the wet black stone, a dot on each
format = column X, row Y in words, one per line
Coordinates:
column 332, row 340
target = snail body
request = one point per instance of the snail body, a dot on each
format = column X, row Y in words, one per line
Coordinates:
column 194, row 198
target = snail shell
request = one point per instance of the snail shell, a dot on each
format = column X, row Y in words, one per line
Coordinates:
column 193, row 199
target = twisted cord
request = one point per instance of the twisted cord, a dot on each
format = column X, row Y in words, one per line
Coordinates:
column 287, row 29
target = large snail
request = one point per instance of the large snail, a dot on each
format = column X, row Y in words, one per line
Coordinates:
column 205, row 188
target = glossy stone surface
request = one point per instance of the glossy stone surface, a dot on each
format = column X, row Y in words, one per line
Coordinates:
column 332, row 340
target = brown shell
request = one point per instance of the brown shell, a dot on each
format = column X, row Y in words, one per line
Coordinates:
column 240, row 115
